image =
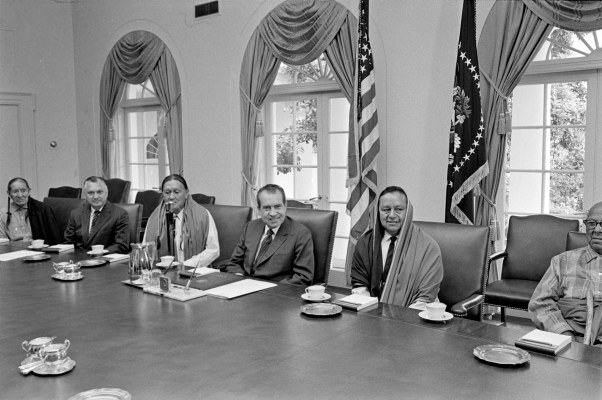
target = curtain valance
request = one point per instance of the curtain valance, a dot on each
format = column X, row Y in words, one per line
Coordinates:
column 135, row 55
column 568, row 14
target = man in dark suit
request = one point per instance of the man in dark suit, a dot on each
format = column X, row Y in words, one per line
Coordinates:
column 98, row 221
column 274, row 247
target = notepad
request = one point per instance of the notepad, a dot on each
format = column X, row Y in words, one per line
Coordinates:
column 115, row 257
column 18, row 254
column 356, row 302
column 4, row 240
column 546, row 342
column 239, row 288
column 58, row 248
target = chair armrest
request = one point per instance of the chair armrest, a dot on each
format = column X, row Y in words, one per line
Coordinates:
column 498, row 255
column 461, row 308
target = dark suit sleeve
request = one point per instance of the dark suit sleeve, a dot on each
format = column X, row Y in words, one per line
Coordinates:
column 361, row 264
column 71, row 235
column 303, row 266
column 122, row 233
column 237, row 261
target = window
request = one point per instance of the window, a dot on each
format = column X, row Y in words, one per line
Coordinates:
column 306, row 137
column 553, row 154
column 142, row 152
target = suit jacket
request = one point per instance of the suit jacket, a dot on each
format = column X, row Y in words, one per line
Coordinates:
column 289, row 259
column 112, row 228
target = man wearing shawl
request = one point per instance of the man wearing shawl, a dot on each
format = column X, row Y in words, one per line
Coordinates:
column 194, row 233
column 395, row 260
column 568, row 297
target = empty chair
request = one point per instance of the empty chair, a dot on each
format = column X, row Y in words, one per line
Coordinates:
column 465, row 256
column 298, row 204
column 322, row 224
column 230, row 222
column 575, row 240
column 149, row 199
column 119, row 190
column 135, row 216
column 532, row 242
column 65, row 191
column 203, row 198
column 62, row 207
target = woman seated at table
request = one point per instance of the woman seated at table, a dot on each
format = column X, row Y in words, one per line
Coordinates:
column 27, row 218
column 194, row 233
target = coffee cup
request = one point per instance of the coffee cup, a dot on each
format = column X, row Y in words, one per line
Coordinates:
column 35, row 345
column 315, row 292
column 435, row 310
column 98, row 248
column 55, row 353
column 167, row 260
column 37, row 244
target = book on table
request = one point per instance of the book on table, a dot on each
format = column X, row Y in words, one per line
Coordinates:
column 546, row 342
column 58, row 248
column 356, row 302
column 115, row 257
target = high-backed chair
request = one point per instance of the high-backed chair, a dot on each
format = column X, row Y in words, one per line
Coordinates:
column 322, row 224
column 149, row 199
column 62, row 207
column 298, row 204
column 230, row 222
column 465, row 257
column 119, row 190
column 531, row 243
column 203, row 198
column 135, row 216
column 574, row 240
column 65, row 191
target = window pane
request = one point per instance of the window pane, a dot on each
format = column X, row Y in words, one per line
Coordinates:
column 338, row 149
column 339, row 114
column 568, row 103
column 339, row 250
column 307, row 149
column 305, row 115
column 284, row 179
column 566, row 193
column 338, row 191
column 282, row 151
column 527, row 105
column 567, row 150
column 306, row 183
column 525, row 146
column 142, row 123
column 144, row 176
column 343, row 220
column 524, row 192
column 138, row 151
column 282, row 114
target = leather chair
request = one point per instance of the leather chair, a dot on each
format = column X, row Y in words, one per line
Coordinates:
column 531, row 243
column 149, row 199
column 465, row 256
column 62, row 207
column 65, row 191
column 203, row 199
column 135, row 216
column 322, row 225
column 119, row 190
column 230, row 222
column 298, row 204
column 575, row 240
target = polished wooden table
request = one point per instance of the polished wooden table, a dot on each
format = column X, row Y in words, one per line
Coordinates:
column 257, row 346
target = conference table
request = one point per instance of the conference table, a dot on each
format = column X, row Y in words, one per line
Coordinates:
column 257, row 346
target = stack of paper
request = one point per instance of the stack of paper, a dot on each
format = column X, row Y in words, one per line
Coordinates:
column 4, row 240
column 547, row 342
column 115, row 257
column 58, row 248
column 18, row 254
column 239, row 288
column 356, row 302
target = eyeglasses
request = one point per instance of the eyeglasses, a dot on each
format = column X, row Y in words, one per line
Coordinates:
column 591, row 224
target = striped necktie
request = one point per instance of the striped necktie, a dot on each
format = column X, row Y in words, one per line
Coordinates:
column 263, row 248
column 94, row 219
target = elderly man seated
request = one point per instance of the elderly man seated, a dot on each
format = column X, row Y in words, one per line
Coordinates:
column 568, row 297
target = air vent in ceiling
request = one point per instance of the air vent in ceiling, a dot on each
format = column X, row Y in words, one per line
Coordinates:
column 206, row 9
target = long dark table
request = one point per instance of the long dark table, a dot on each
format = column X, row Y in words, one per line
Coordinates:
column 257, row 346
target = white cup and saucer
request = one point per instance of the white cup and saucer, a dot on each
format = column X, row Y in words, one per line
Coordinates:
column 97, row 250
column 315, row 293
column 37, row 244
column 435, row 312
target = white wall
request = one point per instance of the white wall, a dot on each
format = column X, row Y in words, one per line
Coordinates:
column 41, row 57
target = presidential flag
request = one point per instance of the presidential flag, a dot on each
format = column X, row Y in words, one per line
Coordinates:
column 467, row 161
column 364, row 145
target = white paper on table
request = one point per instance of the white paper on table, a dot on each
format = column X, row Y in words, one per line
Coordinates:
column 4, row 240
column 239, row 288
column 114, row 257
column 18, row 254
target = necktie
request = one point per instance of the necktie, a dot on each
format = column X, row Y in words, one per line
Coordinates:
column 389, row 258
column 94, row 219
column 263, row 248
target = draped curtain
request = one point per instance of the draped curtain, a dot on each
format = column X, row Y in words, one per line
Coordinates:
column 296, row 32
column 134, row 58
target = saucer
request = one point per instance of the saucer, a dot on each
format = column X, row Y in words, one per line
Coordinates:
column 68, row 277
column 104, row 393
column 94, row 262
column 97, row 253
column 305, row 296
column 37, row 257
column 58, row 369
column 173, row 264
column 36, row 247
column 446, row 317
column 321, row 309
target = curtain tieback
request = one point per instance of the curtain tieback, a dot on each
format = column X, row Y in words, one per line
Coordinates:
column 246, row 96
column 173, row 103
column 493, row 85
column 244, row 176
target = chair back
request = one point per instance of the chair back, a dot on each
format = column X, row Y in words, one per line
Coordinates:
column 119, row 190
column 575, row 240
column 65, row 191
column 62, row 207
column 203, row 198
column 149, row 199
column 230, row 222
column 298, row 204
column 532, row 242
column 135, row 216
column 465, row 256
column 322, row 224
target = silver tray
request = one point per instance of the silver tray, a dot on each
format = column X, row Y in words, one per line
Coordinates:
column 321, row 309
column 501, row 354
column 37, row 257
column 59, row 369
column 93, row 262
column 104, row 393
column 68, row 277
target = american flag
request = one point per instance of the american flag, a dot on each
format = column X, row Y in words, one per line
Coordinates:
column 467, row 160
column 364, row 145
